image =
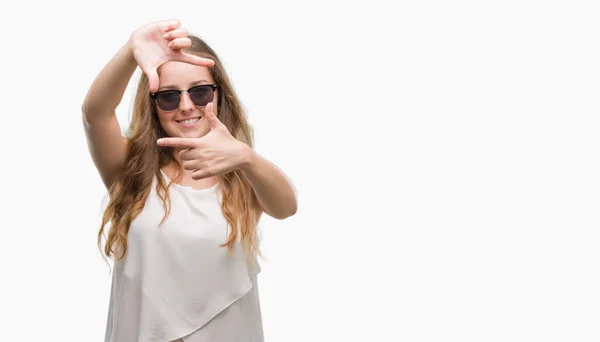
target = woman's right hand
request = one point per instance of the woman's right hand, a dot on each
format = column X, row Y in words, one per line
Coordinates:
column 160, row 42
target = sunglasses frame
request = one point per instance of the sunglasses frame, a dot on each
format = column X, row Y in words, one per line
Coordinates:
column 180, row 91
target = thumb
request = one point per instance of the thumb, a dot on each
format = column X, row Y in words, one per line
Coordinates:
column 152, row 79
column 211, row 117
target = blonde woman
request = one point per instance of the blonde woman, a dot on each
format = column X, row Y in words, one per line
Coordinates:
column 186, row 191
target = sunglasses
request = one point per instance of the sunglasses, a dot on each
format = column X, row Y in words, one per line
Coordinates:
column 201, row 95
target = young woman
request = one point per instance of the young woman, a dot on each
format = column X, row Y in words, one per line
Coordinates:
column 186, row 193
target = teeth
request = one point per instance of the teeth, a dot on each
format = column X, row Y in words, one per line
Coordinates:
column 189, row 121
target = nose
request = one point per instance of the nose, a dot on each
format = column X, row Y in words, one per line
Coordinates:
column 185, row 102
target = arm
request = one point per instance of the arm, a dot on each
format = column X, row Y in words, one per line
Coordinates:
column 105, row 142
column 218, row 152
column 148, row 47
column 275, row 192
column 108, row 88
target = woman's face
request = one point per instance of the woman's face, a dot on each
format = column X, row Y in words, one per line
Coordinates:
column 186, row 119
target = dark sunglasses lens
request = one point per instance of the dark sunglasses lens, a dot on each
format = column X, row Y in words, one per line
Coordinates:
column 201, row 95
column 168, row 100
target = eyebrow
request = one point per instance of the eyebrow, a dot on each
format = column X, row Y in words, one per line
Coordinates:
column 175, row 87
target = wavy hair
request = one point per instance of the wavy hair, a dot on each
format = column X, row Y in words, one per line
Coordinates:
column 145, row 159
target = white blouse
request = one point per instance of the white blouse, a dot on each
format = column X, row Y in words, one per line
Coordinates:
column 175, row 282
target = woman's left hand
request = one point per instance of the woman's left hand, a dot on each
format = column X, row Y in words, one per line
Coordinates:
column 218, row 152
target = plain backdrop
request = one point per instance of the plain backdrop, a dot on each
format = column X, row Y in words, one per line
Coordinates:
column 445, row 154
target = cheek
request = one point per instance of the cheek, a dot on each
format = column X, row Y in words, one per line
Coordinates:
column 164, row 117
column 215, row 103
column 165, row 120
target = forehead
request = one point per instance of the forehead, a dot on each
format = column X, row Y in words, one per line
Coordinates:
column 181, row 74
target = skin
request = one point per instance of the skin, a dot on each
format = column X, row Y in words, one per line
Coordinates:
column 207, row 150
column 157, row 48
column 179, row 75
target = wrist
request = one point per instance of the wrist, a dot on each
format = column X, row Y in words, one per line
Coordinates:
column 248, row 157
column 127, row 51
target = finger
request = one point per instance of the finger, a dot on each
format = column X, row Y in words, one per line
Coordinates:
column 178, row 33
column 177, row 142
column 199, row 174
column 209, row 112
column 180, row 43
column 169, row 25
column 209, row 115
column 190, row 165
column 153, row 81
column 195, row 60
column 186, row 154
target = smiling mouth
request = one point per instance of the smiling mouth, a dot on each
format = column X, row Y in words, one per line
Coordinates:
column 188, row 122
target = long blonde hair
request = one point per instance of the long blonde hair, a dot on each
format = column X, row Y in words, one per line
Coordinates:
column 145, row 159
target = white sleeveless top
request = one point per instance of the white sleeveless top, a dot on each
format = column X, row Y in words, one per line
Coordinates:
column 176, row 282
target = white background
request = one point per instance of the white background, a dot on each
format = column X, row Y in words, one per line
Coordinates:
column 445, row 154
